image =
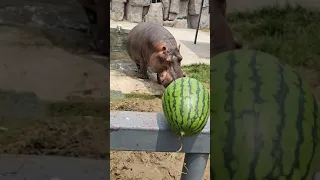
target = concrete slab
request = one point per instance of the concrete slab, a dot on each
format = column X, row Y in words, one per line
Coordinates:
column 23, row 167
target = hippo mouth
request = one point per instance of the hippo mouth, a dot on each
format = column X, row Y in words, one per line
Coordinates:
column 176, row 65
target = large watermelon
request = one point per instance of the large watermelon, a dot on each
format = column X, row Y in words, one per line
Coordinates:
column 265, row 121
column 185, row 104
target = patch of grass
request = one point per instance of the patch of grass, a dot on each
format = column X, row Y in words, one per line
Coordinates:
column 97, row 109
column 199, row 71
column 290, row 33
column 140, row 96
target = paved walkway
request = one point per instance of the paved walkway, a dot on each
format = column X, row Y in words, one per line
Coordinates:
column 22, row 167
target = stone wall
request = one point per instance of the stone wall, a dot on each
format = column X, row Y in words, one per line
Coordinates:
column 173, row 13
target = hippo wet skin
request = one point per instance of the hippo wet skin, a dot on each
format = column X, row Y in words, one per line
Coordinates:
column 151, row 45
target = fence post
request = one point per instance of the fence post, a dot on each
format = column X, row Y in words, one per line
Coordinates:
column 195, row 164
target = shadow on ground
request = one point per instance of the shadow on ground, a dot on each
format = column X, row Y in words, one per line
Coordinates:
column 201, row 49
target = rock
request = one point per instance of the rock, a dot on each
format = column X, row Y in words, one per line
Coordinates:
column 169, row 23
column 205, row 18
column 139, row 2
column 174, row 6
column 166, row 5
column 155, row 13
column 134, row 13
column 193, row 21
column 194, row 7
column 117, row 10
column 205, row 3
column 181, row 23
column 183, row 12
column 172, row 16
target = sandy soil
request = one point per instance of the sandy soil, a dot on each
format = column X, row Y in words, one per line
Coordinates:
column 128, row 165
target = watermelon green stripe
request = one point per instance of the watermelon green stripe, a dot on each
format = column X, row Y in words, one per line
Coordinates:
column 267, row 91
column 299, row 128
column 264, row 119
column 314, row 134
column 229, row 108
column 280, row 97
column 195, row 112
column 180, row 103
column 258, row 142
column 190, row 106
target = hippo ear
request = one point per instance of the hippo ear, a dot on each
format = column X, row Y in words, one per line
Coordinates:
column 179, row 47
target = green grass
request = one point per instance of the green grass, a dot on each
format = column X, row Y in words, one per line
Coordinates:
column 199, row 71
column 291, row 34
column 140, row 96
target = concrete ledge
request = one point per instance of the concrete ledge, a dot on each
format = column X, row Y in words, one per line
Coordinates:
column 23, row 167
column 141, row 131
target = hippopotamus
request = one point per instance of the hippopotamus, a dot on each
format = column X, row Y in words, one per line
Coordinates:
column 151, row 45
column 98, row 16
column 221, row 36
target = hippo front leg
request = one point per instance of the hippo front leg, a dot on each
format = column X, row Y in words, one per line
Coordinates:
column 158, row 79
column 142, row 70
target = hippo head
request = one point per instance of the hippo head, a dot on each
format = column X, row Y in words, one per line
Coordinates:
column 172, row 66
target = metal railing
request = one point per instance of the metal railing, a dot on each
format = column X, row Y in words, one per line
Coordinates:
column 141, row 131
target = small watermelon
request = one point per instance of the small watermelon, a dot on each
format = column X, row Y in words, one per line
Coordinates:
column 186, row 105
column 265, row 119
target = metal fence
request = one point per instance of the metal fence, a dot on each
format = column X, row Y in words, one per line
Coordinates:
column 141, row 131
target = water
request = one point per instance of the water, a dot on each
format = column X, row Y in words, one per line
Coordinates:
column 119, row 57
column 118, row 42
